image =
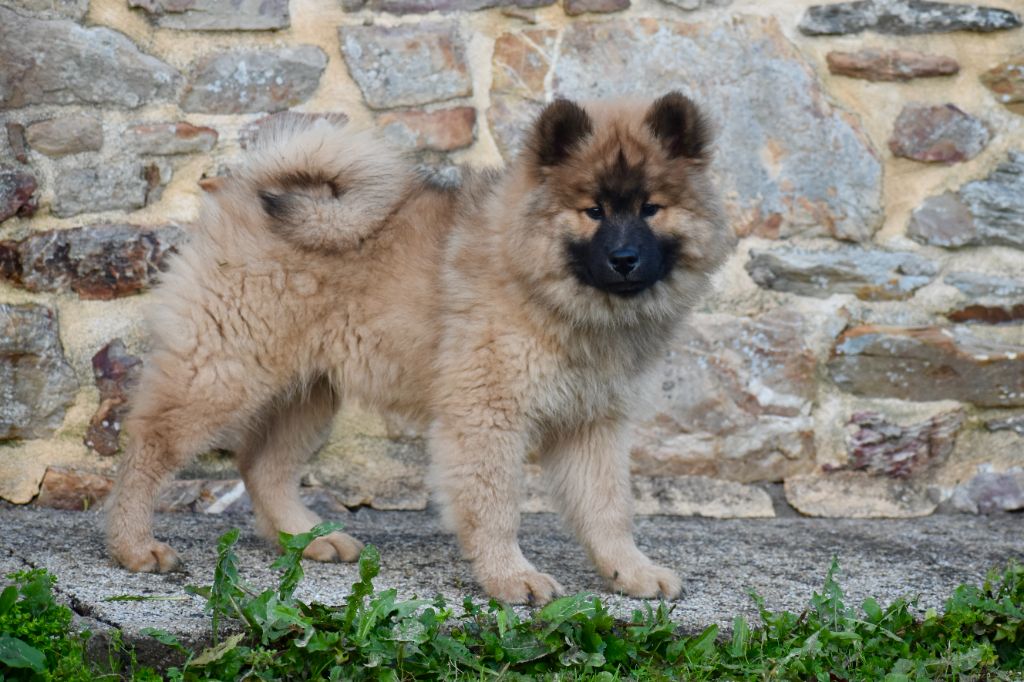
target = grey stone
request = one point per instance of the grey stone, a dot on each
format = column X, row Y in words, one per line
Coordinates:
column 699, row 496
column 988, row 212
column 789, row 162
column 885, row 559
column 890, row 65
column 690, row 5
column 17, row 193
column 858, row 495
column 169, row 138
column 243, row 81
column 16, row 138
column 407, row 65
column 989, row 298
column 73, row 134
column 1006, row 81
column 735, row 395
column 112, row 186
column 669, row 496
column 941, row 133
column 989, row 492
column 928, row 363
column 97, row 262
column 216, row 15
column 81, row 65
column 52, row 9
column 376, row 472
column 869, row 274
column 37, row 385
column 577, row 7
column 880, row 446
column 904, row 17
column 424, row 6
column 1014, row 423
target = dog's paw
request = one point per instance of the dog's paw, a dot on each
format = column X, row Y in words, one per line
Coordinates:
column 647, row 581
column 147, row 557
column 525, row 587
column 333, row 547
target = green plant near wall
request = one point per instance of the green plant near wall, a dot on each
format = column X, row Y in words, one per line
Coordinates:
column 272, row 635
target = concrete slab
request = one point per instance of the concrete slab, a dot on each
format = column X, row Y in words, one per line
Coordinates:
column 783, row 559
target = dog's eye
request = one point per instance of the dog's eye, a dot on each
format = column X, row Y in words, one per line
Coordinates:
column 594, row 212
column 648, row 210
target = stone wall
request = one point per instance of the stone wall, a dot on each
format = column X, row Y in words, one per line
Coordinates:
column 865, row 344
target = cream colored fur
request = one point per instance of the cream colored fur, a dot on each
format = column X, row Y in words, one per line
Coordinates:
column 453, row 308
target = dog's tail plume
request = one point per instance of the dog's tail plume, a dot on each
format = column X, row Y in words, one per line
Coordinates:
column 322, row 186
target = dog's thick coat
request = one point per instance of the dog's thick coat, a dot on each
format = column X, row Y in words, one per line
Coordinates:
column 516, row 313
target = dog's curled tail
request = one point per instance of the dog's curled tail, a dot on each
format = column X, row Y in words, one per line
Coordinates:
column 321, row 185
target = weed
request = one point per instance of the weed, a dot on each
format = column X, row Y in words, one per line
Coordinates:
column 272, row 635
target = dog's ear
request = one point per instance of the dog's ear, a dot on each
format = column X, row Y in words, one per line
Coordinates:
column 559, row 128
column 680, row 126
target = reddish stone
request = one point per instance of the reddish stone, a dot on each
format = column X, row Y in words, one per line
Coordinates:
column 100, row 262
column 442, row 130
column 65, row 135
column 1006, row 81
column 890, row 65
column 16, row 190
column 577, row 7
column 883, row 447
column 116, row 371
column 942, row 134
column 73, row 490
column 928, row 363
column 521, row 62
column 170, row 138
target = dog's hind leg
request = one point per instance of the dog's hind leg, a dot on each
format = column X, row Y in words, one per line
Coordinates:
column 182, row 407
column 271, row 465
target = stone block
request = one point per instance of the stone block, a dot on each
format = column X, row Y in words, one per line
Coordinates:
column 37, row 385
column 890, row 65
column 401, row 66
column 987, row 212
column 928, row 363
column 247, row 81
column 904, row 17
column 942, row 134
column 96, row 262
column 216, row 15
column 869, row 274
column 58, row 137
column 88, row 66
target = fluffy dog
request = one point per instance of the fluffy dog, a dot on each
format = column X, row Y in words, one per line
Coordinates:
column 516, row 313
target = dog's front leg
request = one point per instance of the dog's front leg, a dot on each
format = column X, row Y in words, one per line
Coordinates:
column 588, row 471
column 478, row 465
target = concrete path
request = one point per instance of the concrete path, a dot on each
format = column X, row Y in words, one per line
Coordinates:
column 783, row 559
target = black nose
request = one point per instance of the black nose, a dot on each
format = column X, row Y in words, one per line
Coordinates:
column 624, row 260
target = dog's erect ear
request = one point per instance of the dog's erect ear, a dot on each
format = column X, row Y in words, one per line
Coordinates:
column 680, row 126
column 559, row 128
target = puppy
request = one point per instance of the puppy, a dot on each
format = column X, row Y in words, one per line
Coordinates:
column 517, row 313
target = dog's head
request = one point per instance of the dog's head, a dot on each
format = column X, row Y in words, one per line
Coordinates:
column 621, row 221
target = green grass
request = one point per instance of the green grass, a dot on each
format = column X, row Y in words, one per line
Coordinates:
column 271, row 635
